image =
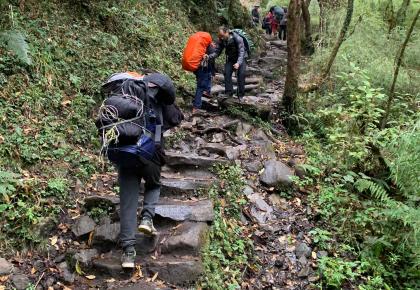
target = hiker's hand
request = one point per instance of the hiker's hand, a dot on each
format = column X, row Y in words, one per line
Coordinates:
column 236, row 66
column 206, row 57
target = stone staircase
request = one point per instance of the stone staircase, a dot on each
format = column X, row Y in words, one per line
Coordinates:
column 182, row 221
column 183, row 215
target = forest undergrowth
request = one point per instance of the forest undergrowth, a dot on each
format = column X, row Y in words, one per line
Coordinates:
column 365, row 179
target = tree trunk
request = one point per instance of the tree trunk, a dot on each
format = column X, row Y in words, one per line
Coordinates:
column 322, row 21
column 309, row 47
column 341, row 38
column 293, row 59
column 397, row 70
column 402, row 12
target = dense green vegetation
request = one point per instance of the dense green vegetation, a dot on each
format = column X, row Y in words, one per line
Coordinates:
column 364, row 179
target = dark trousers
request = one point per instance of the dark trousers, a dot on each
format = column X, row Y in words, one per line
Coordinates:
column 240, row 76
column 130, row 172
column 283, row 32
column 203, row 77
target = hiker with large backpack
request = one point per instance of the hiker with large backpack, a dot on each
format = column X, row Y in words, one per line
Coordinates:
column 195, row 59
column 236, row 51
column 135, row 112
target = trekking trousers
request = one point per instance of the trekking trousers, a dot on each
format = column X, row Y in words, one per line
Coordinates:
column 240, row 76
column 130, row 173
column 203, row 77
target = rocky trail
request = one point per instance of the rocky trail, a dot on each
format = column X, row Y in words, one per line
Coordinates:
column 82, row 252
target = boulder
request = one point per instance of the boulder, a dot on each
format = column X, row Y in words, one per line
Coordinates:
column 253, row 166
column 101, row 200
column 260, row 203
column 276, row 173
column 83, row 226
column 20, row 281
column 176, row 271
column 5, row 267
column 303, row 250
column 67, row 275
column 187, row 240
column 107, row 233
column 84, row 257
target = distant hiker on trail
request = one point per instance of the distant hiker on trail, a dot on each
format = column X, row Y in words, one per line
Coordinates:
column 236, row 54
column 256, row 15
column 136, row 111
column 283, row 26
column 195, row 59
column 267, row 23
column 278, row 14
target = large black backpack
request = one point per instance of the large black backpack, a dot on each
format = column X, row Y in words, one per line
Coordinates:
column 131, row 118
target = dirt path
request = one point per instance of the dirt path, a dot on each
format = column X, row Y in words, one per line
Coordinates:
column 82, row 253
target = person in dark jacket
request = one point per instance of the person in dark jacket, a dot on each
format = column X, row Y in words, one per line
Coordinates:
column 256, row 15
column 204, row 75
column 236, row 55
column 133, row 167
column 283, row 26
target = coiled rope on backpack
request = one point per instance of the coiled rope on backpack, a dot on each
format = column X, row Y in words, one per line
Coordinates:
column 110, row 133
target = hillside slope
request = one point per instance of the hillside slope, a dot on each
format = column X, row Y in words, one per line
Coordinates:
column 48, row 139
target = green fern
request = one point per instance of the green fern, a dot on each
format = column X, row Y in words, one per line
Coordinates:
column 15, row 42
column 376, row 190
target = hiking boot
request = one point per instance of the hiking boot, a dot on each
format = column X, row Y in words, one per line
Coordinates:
column 128, row 258
column 146, row 227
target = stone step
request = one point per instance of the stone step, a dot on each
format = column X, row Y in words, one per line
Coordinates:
column 176, row 159
column 143, row 285
column 218, row 89
column 167, row 208
column 262, row 107
column 174, row 270
column 249, row 80
column 180, row 186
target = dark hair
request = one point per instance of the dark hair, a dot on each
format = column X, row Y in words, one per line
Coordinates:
column 224, row 29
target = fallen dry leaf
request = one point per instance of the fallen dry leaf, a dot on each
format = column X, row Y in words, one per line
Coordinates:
column 90, row 277
column 54, row 240
column 112, row 280
column 33, row 270
column 155, row 276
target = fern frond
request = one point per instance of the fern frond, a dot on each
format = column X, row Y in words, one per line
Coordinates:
column 15, row 42
column 376, row 190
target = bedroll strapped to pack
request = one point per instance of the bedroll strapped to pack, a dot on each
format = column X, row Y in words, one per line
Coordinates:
column 195, row 50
